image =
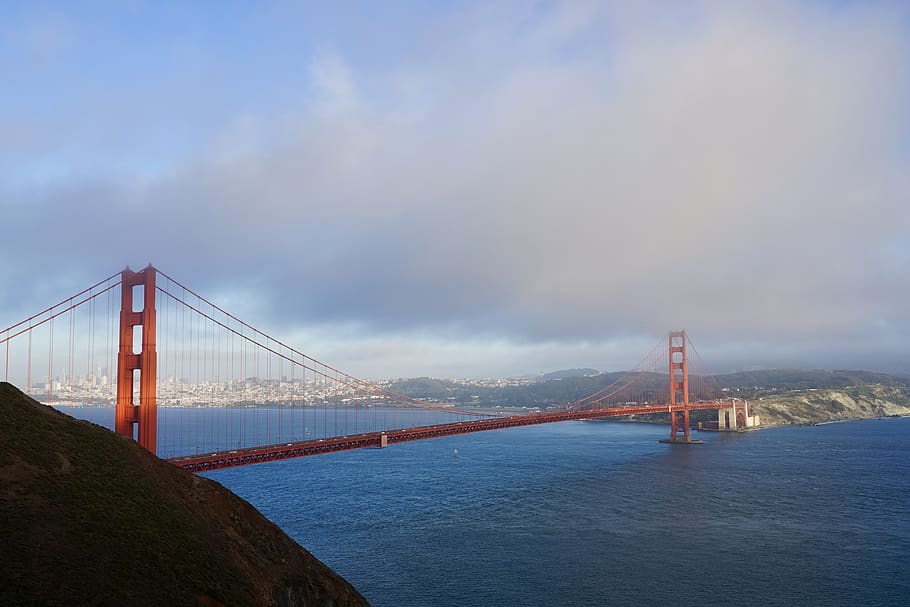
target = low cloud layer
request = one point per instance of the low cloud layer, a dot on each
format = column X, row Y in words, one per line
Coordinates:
column 517, row 190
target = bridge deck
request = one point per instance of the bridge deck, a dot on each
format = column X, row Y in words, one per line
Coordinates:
column 256, row 455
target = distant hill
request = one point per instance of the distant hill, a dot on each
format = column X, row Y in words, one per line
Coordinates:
column 90, row 518
column 781, row 395
column 795, row 379
column 568, row 373
column 534, row 394
column 425, row 387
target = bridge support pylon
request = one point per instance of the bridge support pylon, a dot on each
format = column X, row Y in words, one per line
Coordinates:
column 679, row 390
column 129, row 412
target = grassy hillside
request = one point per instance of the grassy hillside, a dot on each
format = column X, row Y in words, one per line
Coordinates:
column 90, row 518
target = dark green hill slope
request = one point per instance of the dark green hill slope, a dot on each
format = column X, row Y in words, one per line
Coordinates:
column 90, row 518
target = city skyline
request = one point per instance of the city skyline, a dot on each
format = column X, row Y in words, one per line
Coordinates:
column 465, row 190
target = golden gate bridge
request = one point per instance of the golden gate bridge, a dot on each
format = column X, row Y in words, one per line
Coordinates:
column 148, row 357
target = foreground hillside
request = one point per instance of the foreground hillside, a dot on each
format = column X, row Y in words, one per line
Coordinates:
column 90, row 518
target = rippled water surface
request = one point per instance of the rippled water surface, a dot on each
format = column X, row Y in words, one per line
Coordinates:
column 584, row 513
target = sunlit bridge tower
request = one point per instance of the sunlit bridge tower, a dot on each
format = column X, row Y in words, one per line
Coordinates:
column 143, row 413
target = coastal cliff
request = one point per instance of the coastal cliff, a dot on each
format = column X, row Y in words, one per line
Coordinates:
column 88, row 517
column 812, row 406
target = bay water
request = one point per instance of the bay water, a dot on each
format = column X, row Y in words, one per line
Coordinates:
column 599, row 513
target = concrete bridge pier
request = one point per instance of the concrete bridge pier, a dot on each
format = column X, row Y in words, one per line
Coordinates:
column 737, row 418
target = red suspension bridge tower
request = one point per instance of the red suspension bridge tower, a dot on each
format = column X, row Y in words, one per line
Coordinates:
column 129, row 413
column 679, row 389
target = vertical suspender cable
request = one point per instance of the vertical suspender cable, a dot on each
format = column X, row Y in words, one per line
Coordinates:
column 207, row 380
column 257, row 438
column 187, row 372
column 161, row 303
column 279, row 394
column 219, row 386
column 183, row 384
column 268, row 384
column 28, row 382
column 91, row 343
column 303, row 400
column 108, row 348
column 230, row 387
column 72, row 356
column 194, row 378
column 243, row 387
column 294, row 401
column 50, row 361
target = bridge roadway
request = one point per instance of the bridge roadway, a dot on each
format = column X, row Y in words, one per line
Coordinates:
column 256, row 455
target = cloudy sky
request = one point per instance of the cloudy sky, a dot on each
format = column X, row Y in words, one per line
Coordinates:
column 474, row 189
